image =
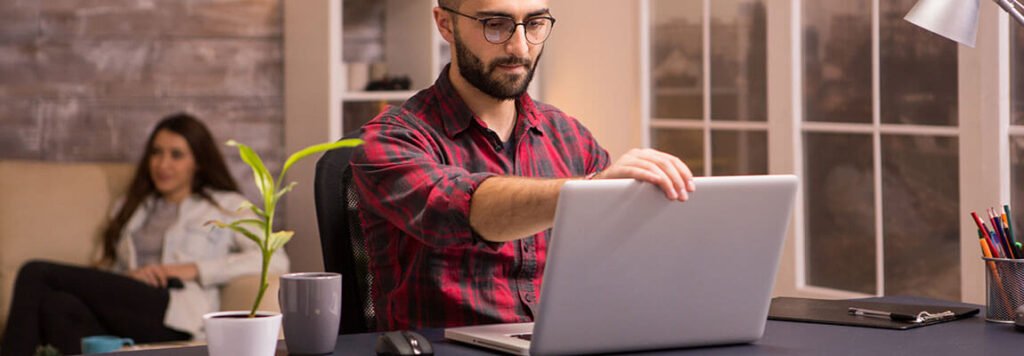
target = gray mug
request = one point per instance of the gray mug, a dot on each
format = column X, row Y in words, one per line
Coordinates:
column 311, row 309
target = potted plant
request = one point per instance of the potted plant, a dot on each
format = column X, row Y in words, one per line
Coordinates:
column 254, row 332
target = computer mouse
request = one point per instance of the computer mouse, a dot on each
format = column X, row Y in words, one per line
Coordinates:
column 394, row 343
column 1018, row 320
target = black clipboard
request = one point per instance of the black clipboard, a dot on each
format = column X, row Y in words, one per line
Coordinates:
column 836, row 312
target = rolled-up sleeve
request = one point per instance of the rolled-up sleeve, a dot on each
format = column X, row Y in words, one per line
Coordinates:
column 402, row 178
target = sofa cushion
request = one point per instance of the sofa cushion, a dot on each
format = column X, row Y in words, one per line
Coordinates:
column 56, row 211
column 241, row 292
column 53, row 211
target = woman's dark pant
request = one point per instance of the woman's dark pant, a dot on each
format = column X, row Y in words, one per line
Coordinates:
column 58, row 304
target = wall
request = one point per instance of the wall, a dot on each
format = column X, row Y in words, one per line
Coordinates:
column 591, row 69
column 86, row 80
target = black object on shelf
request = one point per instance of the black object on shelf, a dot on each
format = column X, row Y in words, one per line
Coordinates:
column 390, row 83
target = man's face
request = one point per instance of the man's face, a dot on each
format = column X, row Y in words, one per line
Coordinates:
column 502, row 71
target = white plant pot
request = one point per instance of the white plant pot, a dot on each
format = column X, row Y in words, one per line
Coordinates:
column 232, row 333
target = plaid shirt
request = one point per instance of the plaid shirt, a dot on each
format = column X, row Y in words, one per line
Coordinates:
column 415, row 176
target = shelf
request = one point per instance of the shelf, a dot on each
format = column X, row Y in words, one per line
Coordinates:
column 377, row 95
column 678, row 90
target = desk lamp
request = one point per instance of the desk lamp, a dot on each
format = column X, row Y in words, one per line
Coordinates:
column 956, row 19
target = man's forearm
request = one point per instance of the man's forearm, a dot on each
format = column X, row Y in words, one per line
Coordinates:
column 511, row 208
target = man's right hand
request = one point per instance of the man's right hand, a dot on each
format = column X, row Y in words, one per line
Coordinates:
column 659, row 168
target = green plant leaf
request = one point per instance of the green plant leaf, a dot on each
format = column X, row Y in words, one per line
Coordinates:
column 255, row 222
column 268, row 241
column 255, row 210
column 264, row 182
column 278, row 239
column 241, row 230
column 295, row 157
column 285, row 190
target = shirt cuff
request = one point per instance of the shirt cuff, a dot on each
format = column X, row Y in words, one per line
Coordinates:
column 463, row 196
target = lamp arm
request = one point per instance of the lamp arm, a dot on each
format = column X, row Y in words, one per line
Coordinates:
column 1009, row 6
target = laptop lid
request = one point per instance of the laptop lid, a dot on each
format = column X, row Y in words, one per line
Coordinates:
column 630, row 270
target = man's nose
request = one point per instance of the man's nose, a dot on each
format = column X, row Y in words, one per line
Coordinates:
column 517, row 45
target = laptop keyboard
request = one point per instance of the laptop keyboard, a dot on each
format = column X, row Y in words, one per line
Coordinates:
column 526, row 337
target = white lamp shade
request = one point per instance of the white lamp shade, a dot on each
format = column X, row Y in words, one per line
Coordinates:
column 953, row 19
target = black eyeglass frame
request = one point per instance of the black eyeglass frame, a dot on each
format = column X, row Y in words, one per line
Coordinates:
column 515, row 25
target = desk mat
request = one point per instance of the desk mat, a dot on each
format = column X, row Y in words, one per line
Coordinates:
column 836, row 312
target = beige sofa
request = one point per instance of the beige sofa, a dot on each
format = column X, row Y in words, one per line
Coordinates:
column 55, row 211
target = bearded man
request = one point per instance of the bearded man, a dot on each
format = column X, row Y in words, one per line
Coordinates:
column 458, row 185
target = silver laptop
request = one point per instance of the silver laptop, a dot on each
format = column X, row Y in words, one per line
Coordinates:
column 629, row 270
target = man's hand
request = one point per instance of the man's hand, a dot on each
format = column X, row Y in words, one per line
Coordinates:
column 157, row 275
column 655, row 167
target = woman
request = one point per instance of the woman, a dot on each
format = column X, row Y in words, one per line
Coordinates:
column 161, row 266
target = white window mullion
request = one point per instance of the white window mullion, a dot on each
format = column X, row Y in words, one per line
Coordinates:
column 717, row 125
column 876, row 109
column 645, row 73
column 983, row 81
column 706, row 39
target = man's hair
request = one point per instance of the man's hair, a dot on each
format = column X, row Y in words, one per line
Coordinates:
column 451, row 4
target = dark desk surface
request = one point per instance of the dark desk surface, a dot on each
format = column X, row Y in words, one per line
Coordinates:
column 972, row 336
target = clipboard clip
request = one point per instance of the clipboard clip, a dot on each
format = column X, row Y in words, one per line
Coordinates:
column 924, row 316
column 921, row 317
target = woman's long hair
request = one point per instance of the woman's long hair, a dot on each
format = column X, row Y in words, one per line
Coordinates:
column 211, row 172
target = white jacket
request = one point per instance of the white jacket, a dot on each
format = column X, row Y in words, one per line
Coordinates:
column 220, row 255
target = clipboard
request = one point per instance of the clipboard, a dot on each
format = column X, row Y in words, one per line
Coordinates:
column 836, row 312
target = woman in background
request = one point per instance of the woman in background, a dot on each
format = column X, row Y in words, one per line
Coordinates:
column 161, row 268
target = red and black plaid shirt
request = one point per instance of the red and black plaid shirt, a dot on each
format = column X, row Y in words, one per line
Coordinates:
column 415, row 176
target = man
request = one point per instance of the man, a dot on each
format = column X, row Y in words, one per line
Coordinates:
column 458, row 186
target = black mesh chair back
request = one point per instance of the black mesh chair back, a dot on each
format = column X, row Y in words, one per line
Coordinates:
column 341, row 238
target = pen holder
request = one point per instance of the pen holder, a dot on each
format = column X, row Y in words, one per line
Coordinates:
column 1004, row 288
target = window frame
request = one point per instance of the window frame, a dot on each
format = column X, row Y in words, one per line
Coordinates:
column 984, row 112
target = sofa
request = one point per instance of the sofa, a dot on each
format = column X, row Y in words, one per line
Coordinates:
column 56, row 211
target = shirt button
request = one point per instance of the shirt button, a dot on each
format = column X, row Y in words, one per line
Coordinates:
column 528, row 298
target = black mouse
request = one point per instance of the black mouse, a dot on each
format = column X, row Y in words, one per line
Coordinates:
column 403, row 343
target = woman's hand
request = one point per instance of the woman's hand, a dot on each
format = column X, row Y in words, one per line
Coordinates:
column 157, row 275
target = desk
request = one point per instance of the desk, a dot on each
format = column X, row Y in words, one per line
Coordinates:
column 972, row 336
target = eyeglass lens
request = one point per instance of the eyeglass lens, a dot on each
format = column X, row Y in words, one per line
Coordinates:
column 500, row 29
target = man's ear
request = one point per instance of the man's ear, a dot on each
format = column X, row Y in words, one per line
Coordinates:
column 444, row 24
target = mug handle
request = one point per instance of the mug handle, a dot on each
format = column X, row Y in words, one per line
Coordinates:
column 127, row 342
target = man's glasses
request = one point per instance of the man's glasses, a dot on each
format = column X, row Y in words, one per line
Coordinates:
column 499, row 29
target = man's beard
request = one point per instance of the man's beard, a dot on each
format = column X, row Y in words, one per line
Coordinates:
column 501, row 87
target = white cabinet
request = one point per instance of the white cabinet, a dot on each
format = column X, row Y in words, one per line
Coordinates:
column 386, row 39
column 319, row 107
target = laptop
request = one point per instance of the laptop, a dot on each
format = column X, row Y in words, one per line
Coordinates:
column 629, row 270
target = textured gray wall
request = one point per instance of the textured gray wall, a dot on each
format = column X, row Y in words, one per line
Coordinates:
column 85, row 80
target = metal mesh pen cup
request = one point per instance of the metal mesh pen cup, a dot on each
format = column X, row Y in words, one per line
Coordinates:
column 1004, row 288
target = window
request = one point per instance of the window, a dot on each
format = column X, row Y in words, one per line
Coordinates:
column 881, row 156
column 1016, row 129
column 707, row 89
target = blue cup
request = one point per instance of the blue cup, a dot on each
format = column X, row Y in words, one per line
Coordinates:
column 104, row 343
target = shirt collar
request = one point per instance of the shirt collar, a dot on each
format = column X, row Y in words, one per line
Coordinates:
column 457, row 117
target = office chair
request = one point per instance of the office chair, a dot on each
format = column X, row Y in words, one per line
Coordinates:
column 341, row 238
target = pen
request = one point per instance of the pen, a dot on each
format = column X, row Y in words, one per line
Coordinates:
column 1004, row 246
column 985, row 231
column 1009, row 227
column 996, row 235
column 883, row 314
